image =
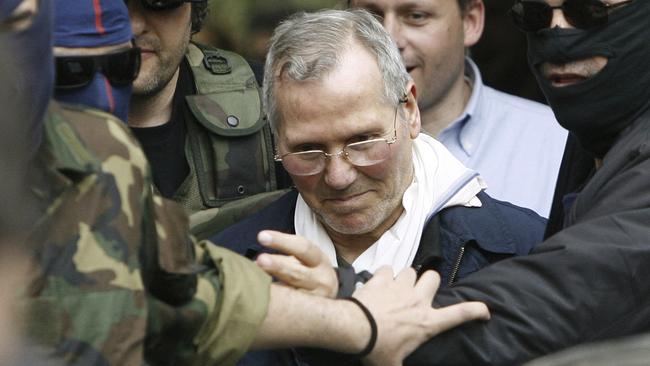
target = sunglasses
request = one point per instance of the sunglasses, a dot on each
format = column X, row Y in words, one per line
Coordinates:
column 532, row 16
column 165, row 4
column 120, row 68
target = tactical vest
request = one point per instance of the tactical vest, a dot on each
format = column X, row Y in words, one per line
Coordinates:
column 228, row 144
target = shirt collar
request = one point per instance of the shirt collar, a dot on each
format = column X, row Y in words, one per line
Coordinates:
column 467, row 125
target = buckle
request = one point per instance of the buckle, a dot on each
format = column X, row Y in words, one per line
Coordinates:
column 215, row 63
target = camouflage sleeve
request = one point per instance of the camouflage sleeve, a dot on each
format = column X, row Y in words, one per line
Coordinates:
column 205, row 311
column 115, row 267
column 233, row 322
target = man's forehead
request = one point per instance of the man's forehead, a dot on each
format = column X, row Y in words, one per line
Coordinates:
column 356, row 78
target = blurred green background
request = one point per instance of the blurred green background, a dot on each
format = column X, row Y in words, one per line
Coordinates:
column 244, row 26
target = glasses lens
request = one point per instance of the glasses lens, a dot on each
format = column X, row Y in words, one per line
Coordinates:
column 162, row 4
column 74, row 72
column 368, row 153
column 122, row 68
column 585, row 13
column 531, row 16
column 304, row 163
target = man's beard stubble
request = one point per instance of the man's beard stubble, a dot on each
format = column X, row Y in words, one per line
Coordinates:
column 163, row 70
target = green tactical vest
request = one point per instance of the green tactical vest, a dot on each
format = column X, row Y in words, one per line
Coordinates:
column 228, row 144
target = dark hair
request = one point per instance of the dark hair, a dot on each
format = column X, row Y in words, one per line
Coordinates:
column 462, row 4
column 199, row 11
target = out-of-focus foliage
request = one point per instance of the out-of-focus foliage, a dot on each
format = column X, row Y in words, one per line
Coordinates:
column 245, row 25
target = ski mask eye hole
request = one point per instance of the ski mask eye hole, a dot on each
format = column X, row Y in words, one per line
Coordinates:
column 532, row 16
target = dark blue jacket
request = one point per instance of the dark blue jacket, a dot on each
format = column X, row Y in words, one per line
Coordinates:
column 456, row 242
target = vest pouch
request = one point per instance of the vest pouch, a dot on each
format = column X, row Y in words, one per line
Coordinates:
column 234, row 159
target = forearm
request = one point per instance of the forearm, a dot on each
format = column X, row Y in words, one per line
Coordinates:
column 580, row 287
column 298, row 319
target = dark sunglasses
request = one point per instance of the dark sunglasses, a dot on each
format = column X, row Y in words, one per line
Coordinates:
column 165, row 4
column 532, row 16
column 120, row 68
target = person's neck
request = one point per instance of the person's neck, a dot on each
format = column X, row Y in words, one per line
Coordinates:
column 351, row 246
column 436, row 118
column 153, row 110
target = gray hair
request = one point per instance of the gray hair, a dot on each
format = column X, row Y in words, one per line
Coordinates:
column 308, row 46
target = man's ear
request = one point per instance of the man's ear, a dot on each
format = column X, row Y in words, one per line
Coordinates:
column 411, row 110
column 473, row 22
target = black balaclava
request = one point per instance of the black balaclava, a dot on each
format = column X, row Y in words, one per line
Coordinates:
column 26, row 92
column 26, row 81
column 598, row 109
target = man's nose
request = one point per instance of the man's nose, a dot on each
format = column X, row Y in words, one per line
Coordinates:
column 559, row 19
column 394, row 27
column 136, row 15
column 339, row 172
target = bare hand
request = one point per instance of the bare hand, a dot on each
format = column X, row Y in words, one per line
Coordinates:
column 405, row 319
column 304, row 266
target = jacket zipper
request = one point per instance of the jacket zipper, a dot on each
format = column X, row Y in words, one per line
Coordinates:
column 454, row 271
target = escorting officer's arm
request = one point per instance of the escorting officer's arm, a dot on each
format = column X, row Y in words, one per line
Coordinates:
column 400, row 307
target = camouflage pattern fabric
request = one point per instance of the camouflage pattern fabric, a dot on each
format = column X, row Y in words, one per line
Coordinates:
column 116, row 278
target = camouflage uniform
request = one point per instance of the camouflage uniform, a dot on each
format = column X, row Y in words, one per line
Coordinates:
column 116, row 278
column 229, row 145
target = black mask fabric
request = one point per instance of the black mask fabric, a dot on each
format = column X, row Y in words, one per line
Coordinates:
column 598, row 109
column 28, row 79
column 26, row 83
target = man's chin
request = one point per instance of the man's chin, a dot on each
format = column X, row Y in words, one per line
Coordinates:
column 348, row 225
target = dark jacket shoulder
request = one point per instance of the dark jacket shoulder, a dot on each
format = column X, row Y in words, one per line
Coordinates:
column 242, row 237
column 474, row 237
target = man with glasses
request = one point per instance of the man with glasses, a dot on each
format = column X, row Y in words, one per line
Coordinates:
column 588, row 282
column 196, row 110
column 113, row 277
column 513, row 143
column 371, row 190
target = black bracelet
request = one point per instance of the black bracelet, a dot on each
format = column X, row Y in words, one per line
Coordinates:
column 373, row 328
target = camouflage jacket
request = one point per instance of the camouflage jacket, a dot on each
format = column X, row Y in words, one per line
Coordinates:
column 116, row 278
column 228, row 146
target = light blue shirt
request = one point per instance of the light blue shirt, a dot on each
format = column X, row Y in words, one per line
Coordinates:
column 515, row 144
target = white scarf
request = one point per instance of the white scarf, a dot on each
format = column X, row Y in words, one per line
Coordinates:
column 440, row 181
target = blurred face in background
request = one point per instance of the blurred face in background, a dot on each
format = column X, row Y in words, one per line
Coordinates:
column 163, row 36
column 22, row 113
column 432, row 36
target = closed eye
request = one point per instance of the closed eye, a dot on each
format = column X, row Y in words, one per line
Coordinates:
column 306, row 147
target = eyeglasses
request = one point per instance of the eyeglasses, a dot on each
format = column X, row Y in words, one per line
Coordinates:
column 363, row 153
column 532, row 16
column 120, row 68
column 165, row 4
